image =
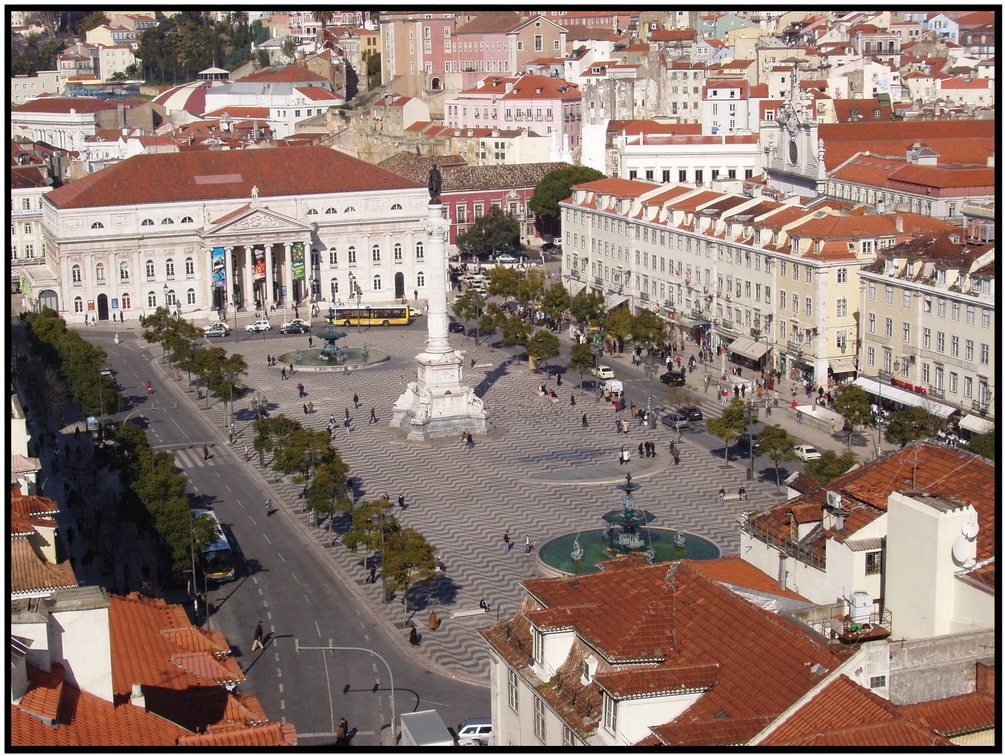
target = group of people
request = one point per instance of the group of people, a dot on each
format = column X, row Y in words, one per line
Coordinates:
column 647, row 449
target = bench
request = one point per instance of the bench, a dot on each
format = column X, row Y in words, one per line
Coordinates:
column 460, row 613
column 730, row 497
column 484, row 364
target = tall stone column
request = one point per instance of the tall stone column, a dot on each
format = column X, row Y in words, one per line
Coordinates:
column 228, row 266
column 269, row 297
column 437, row 404
column 288, row 275
column 248, row 285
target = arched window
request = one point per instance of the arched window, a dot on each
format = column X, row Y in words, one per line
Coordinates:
column 334, row 284
column 169, row 268
column 147, row 222
column 420, row 279
column 78, row 304
column 312, row 211
column 151, row 299
column 75, row 274
column 352, row 255
column 99, row 273
column 420, row 251
column 126, row 302
column 167, row 222
column 397, row 253
column 123, row 271
column 97, row 224
column 349, row 209
column 333, row 257
column 189, row 266
column 396, row 206
column 187, row 219
column 190, row 296
column 376, row 283
column 330, row 211
column 376, row 253
column 172, row 298
column 150, row 268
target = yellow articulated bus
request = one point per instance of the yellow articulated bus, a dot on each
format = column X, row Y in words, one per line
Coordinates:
column 368, row 315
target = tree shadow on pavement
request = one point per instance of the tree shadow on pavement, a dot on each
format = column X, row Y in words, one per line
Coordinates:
column 441, row 591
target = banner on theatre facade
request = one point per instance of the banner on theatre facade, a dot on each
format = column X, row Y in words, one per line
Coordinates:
column 298, row 261
column 259, row 263
column 219, row 267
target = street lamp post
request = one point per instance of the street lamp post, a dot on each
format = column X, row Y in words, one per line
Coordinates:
column 650, row 369
column 751, row 445
column 374, row 518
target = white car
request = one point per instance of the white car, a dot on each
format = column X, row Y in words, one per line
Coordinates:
column 603, row 372
column 475, row 732
column 805, row 452
column 297, row 322
column 258, row 325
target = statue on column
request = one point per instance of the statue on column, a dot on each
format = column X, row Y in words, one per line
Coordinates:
column 434, row 184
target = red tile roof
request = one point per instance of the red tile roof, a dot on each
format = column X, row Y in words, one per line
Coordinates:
column 957, row 141
column 225, row 174
column 617, row 186
column 958, row 715
column 30, row 573
column 285, row 74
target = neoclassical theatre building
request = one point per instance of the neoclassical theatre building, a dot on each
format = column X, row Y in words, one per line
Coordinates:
column 205, row 232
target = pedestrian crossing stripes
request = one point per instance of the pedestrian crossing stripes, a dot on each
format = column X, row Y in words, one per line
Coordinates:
column 192, row 457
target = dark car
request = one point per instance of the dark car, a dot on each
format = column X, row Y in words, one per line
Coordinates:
column 746, row 439
column 693, row 414
column 673, row 378
column 455, row 326
column 294, row 329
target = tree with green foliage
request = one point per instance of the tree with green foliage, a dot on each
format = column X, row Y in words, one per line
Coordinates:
column 907, row 425
column 502, row 282
column 555, row 301
column 328, row 493
column 830, row 466
column 373, row 75
column 648, row 330
column 406, row 559
column 587, row 309
column 489, row 321
column 529, row 289
column 180, row 340
column 853, row 404
column 554, row 187
column 779, row 446
column 984, row 444
column 543, row 346
column 619, row 324
column 732, row 423
column 581, row 360
column 91, row 21
column 222, row 374
column 515, row 331
column 469, row 306
column 679, row 397
column 271, row 433
column 362, row 530
column 156, row 326
column 496, row 230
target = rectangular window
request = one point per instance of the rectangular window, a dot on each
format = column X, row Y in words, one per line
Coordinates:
column 767, row 295
column 870, row 356
column 842, row 307
column 873, row 562
column 954, row 346
column 888, row 328
column 985, row 354
column 956, row 311
column 842, row 275
column 879, row 681
column 538, row 719
column 985, row 318
column 968, row 350
column 907, row 332
column 795, row 272
column 872, row 289
column 782, row 298
column 954, row 383
column 699, row 177
column 610, row 714
column 512, row 690
column 808, row 308
column 795, row 304
column 971, row 315
column 940, row 341
column 906, row 300
column 942, row 308
column 682, row 176
column 889, row 295
column 926, row 371
column 872, row 322
column 968, row 387
column 926, row 338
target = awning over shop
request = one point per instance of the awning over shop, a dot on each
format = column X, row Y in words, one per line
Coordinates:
column 977, row 424
column 614, row 300
column 843, row 365
column 574, row 286
column 747, row 347
column 895, row 394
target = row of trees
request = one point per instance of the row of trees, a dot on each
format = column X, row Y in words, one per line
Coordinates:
column 183, row 44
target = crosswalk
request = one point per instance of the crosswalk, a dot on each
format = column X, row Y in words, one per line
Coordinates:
column 192, row 457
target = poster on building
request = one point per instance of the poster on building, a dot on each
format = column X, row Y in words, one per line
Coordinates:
column 259, row 263
column 219, row 267
column 298, row 261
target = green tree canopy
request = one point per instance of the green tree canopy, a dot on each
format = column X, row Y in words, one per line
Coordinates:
column 830, row 465
column 555, row 301
column 494, row 231
column 853, row 405
column 907, row 425
column 502, row 282
column 556, row 186
column 732, row 423
column 648, row 329
column 530, row 286
column 588, row 309
column 581, row 360
column 779, row 445
column 619, row 323
column 407, row 558
column 543, row 345
column 984, row 444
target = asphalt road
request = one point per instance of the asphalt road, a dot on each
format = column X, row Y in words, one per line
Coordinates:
column 284, row 584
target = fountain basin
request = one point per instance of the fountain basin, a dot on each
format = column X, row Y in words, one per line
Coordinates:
column 556, row 552
column 310, row 360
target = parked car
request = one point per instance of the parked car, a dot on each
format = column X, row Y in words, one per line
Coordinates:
column 603, row 372
column 674, row 378
column 805, row 452
column 455, row 326
column 746, row 439
column 693, row 414
column 217, row 329
column 507, row 258
column 675, row 420
column 297, row 322
column 258, row 325
column 295, row 328
column 475, row 732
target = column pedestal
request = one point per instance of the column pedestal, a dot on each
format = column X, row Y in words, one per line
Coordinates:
column 437, row 404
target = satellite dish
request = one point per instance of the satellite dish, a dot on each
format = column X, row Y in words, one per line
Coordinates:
column 970, row 529
column 963, row 549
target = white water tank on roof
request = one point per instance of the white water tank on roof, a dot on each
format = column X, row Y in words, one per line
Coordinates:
column 860, row 606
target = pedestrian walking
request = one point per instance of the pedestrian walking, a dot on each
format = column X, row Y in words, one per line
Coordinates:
column 355, row 401
column 292, row 371
column 617, row 424
column 283, row 373
column 621, row 456
column 634, row 409
column 413, row 636
column 527, row 546
column 305, row 408
column 346, row 413
column 676, row 456
column 342, row 734
column 572, row 400
column 331, row 419
column 268, row 507
column 470, row 442
column 310, row 342
column 507, row 543
column 741, row 493
column 643, row 448
column 150, row 388
column 401, row 501
column 259, row 636
column 584, row 423
column 373, row 572
column 205, row 452
column 373, row 416
column 722, row 495
column 434, row 621
column 346, row 424
column 483, row 604
column 310, row 407
column 558, row 379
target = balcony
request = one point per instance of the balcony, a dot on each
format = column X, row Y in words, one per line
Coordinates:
column 26, row 213
column 778, row 540
column 833, row 622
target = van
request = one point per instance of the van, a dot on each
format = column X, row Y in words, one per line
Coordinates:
column 613, row 389
column 424, row 728
column 475, row 732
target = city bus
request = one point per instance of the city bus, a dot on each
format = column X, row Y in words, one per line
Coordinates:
column 216, row 559
column 382, row 315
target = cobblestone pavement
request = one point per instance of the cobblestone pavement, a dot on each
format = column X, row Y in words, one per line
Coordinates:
column 538, row 474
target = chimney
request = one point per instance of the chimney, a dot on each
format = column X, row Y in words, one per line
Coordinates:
column 839, row 515
column 782, row 572
column 121, row 113
column 137, row 698
column 899, row 223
